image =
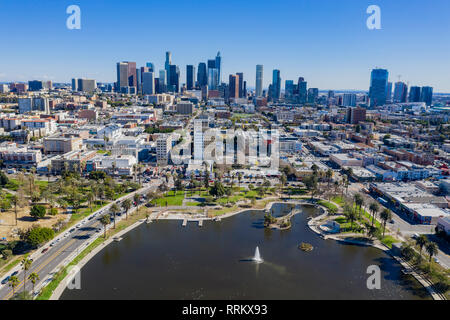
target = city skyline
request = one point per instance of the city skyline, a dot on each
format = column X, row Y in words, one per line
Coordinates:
column 332, row 48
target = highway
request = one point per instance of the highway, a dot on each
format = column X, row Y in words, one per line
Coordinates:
column 70, row 242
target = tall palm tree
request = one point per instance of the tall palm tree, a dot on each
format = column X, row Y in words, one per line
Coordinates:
column 105, row 220
column 421, row 241
column 26, row 265
column 126, row 205
column 13, row 282
column 137, row 198
column 358, row 202
column 90, row 198
column 33, row 277
column 374, row 210
column 15, row 202
column 385, row 215
column 114, row 209
column 432, row 249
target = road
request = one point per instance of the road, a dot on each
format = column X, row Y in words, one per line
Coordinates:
column 66, row 244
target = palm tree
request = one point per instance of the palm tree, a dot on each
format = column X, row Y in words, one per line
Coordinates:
column 26, row 265
column 15, row 202
column 126, row 205
column 33, row 277
column 105, row 220
column 374, row 210
column 90, row 198
column 421, row 241
column 329, row 174
column 432, row 249
column 385, row 215
column 137, row 198
column 13, row 282
column 114, row 209
column 358, row 202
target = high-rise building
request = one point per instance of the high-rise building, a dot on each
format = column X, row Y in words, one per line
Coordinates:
column 378, row 87
column 218, row 67
column 259, row 80
column 173, row 80
column 302, row 89
column 414, row 94
column 202, row 75
column 190, row 77
column 126, row 74
column 427, row 95
column 234, row 86
column 168, row 62
column 349, row 100
column 75, row 84
column 213, row 78
column 400, row 92
column 35, row 85
column 276, row 85
column 389, row 93
column 241, row 84
column 313, row 94
column 288, row 89
column 150, row 66
column 148, row 83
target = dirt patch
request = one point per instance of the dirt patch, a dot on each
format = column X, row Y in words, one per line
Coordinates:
column 8, row 227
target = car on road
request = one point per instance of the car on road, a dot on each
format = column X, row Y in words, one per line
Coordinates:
column 4, row 281
column 44, row 250
column 14, row 273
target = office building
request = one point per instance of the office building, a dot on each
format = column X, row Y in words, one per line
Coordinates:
column 349, row 100
column 356, row 115
column 126, row 75
column 148, row 83
column 190, row 77
column 276, row 85
column 427, row 95
column 414, row 94
column 259, row 80
column 400, row 92
column 202, row 75
column 378, row 87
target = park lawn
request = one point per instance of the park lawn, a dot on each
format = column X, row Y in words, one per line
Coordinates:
column 14, row 184
column 193, row 204
column 388, row 241
column 330, row 206
column 345, row 225
column 339, row 200
column 170, row 199
column 219, row 212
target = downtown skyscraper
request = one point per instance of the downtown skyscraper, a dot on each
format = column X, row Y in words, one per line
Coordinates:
column 126, row 75
column 276, row 85
column 259, row 80
column 190, row 77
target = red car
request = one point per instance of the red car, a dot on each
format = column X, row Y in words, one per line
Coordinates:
column 45, row 250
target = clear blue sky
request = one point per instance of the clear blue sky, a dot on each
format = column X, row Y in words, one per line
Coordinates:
column 325, row 41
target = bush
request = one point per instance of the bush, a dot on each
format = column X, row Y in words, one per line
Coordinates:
column 52, row 211
column 37, row 211
column 6, row 254
column 3, row 179
column 37, row 236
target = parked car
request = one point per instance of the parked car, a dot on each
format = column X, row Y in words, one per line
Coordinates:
column 44, row 250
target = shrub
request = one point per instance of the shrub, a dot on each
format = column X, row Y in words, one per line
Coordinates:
column 37, row 211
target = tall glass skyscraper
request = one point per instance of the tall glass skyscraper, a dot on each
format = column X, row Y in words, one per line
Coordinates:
column 427, row 95
column 378, row 87
column 202, row 75
column 400, row 92
column 218, row 67
column 259, row 80
column 190, row 77
column 414, row 94
column 276, row 85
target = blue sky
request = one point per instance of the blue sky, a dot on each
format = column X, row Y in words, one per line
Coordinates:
column 325, row 41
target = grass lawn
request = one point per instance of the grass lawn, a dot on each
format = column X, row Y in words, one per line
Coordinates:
column 389, row 240
column 339, row 200
column 170, row 199
column 330, row 206
column 14, row 184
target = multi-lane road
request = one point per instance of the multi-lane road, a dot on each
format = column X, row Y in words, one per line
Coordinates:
column 63, row 247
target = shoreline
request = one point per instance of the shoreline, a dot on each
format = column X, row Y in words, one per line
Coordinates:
column 324, row 213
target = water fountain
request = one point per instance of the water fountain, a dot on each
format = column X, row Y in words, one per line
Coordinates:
column 257, row 258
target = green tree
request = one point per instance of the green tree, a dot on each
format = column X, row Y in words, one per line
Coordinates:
column 114, row 210
column 126, row 205
column 373, row 208
column 421, row 241
column 33, row 277
column 385, row 215
column 432, row 249
column 37, row 211
column 13, row 282
column 38, row 235
column 105, row 220
column 15, row 202
column 26, row 265
column 217, row 190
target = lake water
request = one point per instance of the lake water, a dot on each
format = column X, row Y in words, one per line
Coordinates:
column 163, row 260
